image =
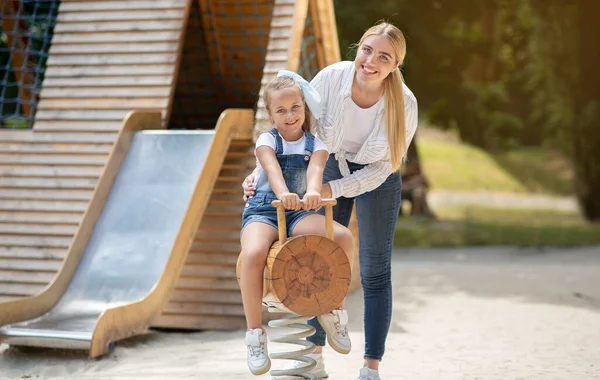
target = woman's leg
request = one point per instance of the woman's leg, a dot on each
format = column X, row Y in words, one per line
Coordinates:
column 377, row 213
column 256, row 240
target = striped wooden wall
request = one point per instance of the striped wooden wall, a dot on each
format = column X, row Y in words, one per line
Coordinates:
column 107, row 57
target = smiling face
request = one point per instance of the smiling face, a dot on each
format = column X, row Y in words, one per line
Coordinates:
column 286, row 111
column 375, row 59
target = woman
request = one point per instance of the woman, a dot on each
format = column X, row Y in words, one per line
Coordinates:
column 367, row 121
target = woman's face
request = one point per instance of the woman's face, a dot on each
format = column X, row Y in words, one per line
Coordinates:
column 375, row 59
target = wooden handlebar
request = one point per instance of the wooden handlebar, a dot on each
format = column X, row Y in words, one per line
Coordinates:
column 282, row 225
column 324, row 202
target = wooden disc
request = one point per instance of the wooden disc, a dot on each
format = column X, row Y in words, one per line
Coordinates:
column 308, row 275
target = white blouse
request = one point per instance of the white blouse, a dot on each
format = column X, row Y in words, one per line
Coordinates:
column 334, row 83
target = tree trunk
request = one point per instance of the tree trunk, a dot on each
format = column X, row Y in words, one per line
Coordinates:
column 586, row 136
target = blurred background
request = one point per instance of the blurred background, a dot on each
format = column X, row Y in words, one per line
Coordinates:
column 508, row 147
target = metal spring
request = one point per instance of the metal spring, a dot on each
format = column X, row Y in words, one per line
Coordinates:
column 298, row 322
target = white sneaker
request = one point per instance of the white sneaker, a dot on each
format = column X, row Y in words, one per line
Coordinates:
column 367, row 373
column 258, row 356
column 335, row 325
column 318, row 372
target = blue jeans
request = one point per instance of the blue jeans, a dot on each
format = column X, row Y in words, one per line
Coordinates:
column 377, row 213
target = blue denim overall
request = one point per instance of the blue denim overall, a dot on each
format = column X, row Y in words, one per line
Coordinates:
column 293, row 167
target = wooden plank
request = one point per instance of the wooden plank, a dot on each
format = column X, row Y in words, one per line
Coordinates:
column 20, row 290
column 32, row 253
column 112, row 48
column 219, row 271
column 48, row 183
column 118, row 26
column 200, row 322
column 19, row 277
column 28, row 205
column 29, row 171
column 30, row 265
column 37, row 229
column 73, row 126
column 207, row 283
column 83, row 115
column 202, row 258
column 204, row 308
column 34, row 241
column 110, row 71
column 102, row 104
column 86, row 6
column 45, row 194
column 133, row 81
column 111, row 59
column 101, row 38
column 105, row 92
column 54, row 159
column 40, row 217
column 159, row 14
column 56, row 138
column 55, row 148
column 217, row 296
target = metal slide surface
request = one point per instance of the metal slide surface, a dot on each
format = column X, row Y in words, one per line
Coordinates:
column 131, row 242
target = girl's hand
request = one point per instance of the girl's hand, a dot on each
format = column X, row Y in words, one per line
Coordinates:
column 312, row 200
column 291, row 201
column 326, row 191
column 248, row 186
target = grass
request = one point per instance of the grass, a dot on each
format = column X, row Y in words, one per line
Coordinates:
column 461, row 167
column 477, row 226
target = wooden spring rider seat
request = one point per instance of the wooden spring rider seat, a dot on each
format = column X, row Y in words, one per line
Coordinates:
column 305, row 275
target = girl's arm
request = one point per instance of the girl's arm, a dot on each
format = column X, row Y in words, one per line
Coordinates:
column 268, row 161
column 314, row 179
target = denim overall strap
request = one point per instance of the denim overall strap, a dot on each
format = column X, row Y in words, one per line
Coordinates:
column 309, row 145
column 278, row 141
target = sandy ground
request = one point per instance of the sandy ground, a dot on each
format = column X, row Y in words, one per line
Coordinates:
column 499, row 313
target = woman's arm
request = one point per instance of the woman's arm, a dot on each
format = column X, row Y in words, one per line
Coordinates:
column 268, row 161
column 314, row 179
column 373, row 175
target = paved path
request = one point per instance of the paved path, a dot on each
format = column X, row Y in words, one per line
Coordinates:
column 463, row 314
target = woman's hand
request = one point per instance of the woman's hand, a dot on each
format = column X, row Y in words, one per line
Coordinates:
column 248, row 186
column 312, row 200
column 291, row 201
column 326, row 191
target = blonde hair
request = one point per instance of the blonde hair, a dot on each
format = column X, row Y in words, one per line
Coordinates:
column 395, row 119
column 280, row 83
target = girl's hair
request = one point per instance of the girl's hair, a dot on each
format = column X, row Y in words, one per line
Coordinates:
column 280, row 83
column 395, row 120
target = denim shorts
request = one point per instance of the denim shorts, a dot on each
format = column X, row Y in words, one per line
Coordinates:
column 259, row 209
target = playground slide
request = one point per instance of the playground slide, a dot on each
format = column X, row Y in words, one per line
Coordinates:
column 136, row 247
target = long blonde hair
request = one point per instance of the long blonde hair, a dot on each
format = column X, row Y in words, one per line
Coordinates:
column 395, row 119
column 280, row 83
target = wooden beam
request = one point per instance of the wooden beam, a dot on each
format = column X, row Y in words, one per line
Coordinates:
column 297, row 34
column 328, row 30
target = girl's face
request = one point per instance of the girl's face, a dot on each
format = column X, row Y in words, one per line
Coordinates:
column 286, row 109
column 375, row 59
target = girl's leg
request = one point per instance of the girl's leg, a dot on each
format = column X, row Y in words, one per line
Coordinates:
column 377, row 213
column 256, row 241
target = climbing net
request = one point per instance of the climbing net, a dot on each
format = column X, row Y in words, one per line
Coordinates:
column 26, row 28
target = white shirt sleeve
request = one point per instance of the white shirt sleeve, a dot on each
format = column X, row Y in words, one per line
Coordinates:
column 320, row 145
column 373, row 175
column 265, row 139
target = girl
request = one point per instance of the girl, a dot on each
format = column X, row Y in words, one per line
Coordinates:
column 368, row 119
column 290, row 164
